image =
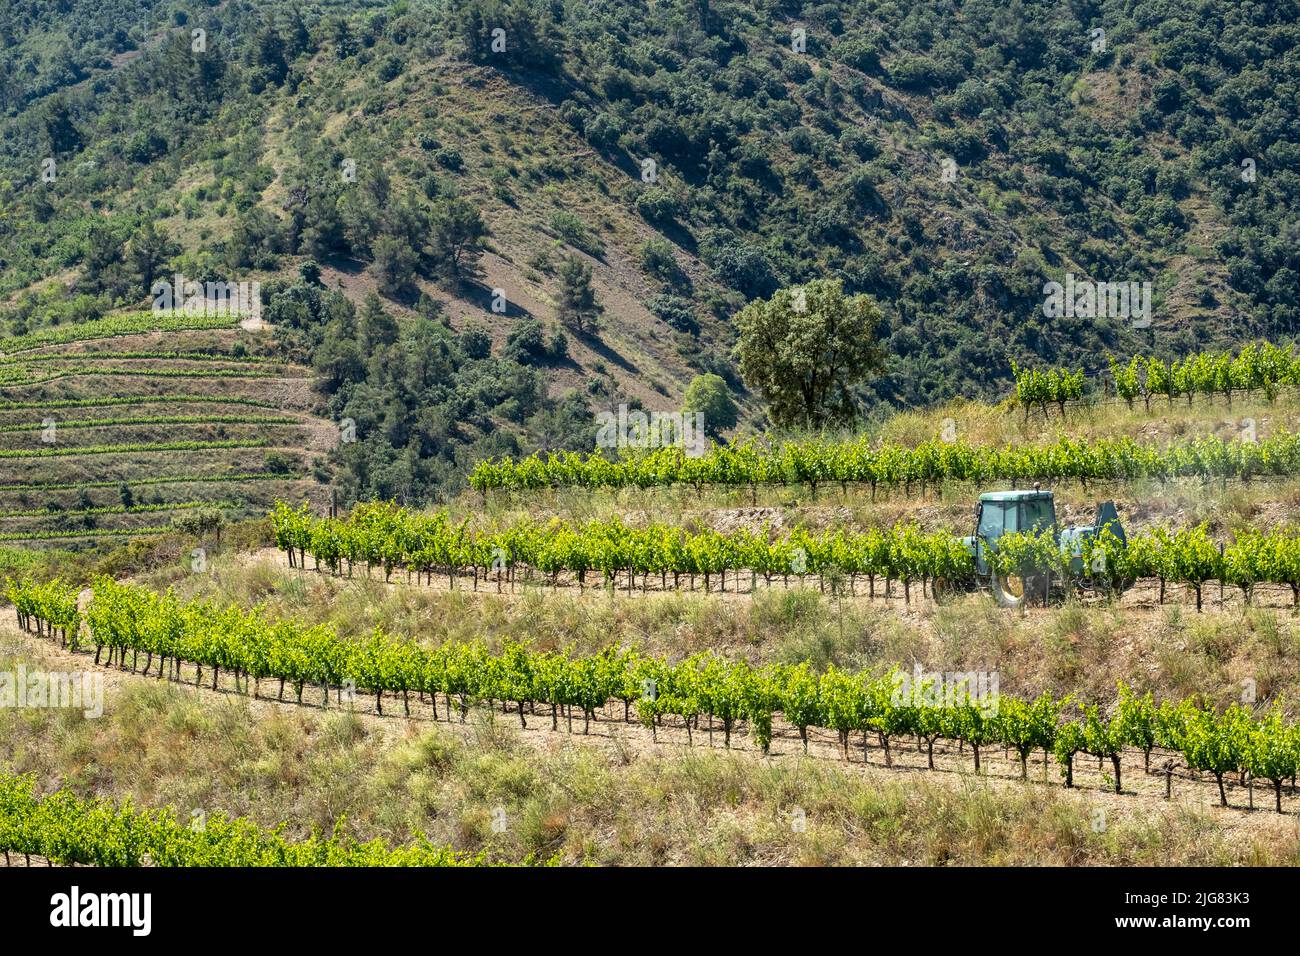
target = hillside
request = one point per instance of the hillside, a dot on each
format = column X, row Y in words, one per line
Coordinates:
column 694, row 156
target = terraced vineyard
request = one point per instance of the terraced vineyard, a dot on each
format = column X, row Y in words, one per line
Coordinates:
column 119, row 426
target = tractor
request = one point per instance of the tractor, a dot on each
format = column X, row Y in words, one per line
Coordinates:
column 998, row 512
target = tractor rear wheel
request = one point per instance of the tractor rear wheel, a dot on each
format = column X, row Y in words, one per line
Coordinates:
column 1014, row 590
column 1009, row 590
column 1021, row 591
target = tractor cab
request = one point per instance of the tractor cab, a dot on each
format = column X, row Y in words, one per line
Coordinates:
column 1002, row 511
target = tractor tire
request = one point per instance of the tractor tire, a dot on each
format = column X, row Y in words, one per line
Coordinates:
column 1008, row 590
column 1015, row 591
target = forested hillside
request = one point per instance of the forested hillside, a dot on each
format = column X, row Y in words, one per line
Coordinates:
column 384, row 170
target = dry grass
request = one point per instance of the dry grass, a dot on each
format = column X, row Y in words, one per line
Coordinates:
column 1072, row 648
column 160, row 744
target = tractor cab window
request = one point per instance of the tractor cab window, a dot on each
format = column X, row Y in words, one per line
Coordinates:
column 1037, row 515
column 995, row 518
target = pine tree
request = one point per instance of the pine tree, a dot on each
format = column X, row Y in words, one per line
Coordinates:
column 578, row 306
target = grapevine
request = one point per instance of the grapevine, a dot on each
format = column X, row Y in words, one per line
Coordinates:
column 66, row 829
column 928, row 464
column 136, row 626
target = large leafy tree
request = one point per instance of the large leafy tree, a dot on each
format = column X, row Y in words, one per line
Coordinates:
column 709, row 394
column 806, row 348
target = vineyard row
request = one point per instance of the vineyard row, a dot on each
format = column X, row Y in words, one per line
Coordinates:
column 111, row 400
column 155, row 420
column 158, row 480
column 114, row 509
column 132, row 448
column 165, row 632
column 133, row 323
column 88, row 533
column 20, row 376
column 1255, row 367
column 66, row 829
column 383, row 535
column 930, row 463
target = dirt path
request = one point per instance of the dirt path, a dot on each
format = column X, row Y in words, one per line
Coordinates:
column 621, row 740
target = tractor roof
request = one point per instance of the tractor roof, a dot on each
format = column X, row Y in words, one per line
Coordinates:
column 1025, row 495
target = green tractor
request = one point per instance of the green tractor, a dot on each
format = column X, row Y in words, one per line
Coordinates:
column 999, row 512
